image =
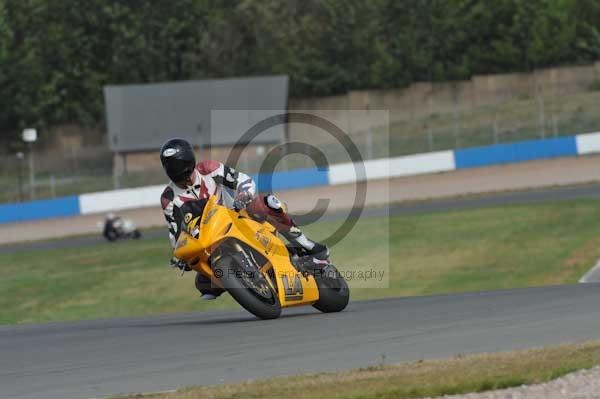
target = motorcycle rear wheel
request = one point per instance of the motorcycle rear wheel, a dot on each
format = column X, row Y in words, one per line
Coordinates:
column 249, row 288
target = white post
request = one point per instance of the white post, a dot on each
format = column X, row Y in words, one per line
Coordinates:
column 31, row 173
column 20, row 157
column 30, row 136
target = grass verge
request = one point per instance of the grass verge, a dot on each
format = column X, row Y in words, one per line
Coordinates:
column 466, row 250
column 430, row 378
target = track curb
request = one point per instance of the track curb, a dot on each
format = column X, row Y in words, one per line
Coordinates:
column 592, row 275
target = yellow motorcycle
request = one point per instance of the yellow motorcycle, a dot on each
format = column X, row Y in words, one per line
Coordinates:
column 247, row 259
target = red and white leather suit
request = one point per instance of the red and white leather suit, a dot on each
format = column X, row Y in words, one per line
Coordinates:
column 214, row 178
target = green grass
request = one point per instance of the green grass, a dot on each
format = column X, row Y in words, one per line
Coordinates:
column 431, row 378
column 493, row 248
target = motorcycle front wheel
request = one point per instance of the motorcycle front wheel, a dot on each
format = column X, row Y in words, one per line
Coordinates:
column 248, row 287
column 334, row 292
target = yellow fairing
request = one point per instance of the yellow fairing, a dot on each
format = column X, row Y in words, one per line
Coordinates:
column 218, row 224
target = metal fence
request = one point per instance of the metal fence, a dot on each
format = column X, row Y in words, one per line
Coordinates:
column 522, row 119
column 90, row 169
column 56, row 173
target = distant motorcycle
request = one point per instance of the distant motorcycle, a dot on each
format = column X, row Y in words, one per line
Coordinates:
column 118, row 228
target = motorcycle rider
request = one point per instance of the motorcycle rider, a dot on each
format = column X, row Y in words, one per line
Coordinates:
column 192, row 182
column 112, row 224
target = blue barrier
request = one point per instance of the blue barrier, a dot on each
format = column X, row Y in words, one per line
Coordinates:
column 298, row 178
column 515, row 152
column 311, row 177
column 69, row 206
column 41, row 209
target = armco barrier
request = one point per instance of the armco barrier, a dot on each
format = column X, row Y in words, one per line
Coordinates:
column 515, row 152
column 41, row 209
column 117, row 200
column 293, row 179
column 433, row 162
column 587, row 143
column 409, row 165
column 148, row 196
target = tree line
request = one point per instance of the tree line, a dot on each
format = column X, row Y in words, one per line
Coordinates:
column 55, row 56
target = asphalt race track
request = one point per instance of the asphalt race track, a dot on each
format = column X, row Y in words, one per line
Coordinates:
column 94, row 359
column 101, row 358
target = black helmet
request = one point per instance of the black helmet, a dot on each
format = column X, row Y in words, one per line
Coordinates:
column 177, row 158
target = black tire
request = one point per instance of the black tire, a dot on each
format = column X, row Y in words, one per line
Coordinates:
column 111, row 236
column 334, row 292
column 263, row 303
column 137, row 235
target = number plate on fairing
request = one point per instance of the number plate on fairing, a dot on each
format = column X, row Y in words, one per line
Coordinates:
column 294, row 291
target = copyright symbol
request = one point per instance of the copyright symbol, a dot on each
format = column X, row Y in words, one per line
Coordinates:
column 267, row 169
column 218, row 273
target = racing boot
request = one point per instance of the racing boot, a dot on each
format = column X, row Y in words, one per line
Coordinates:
column 299, row 240
column 271, row 209
column 207, row 290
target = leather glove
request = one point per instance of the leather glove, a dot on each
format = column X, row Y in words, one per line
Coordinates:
column 180, row 264
column 242, row 199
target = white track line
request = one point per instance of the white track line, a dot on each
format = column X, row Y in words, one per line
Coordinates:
column 588, row 277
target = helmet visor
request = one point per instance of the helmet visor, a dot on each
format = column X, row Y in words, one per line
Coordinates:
column 179, row 170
